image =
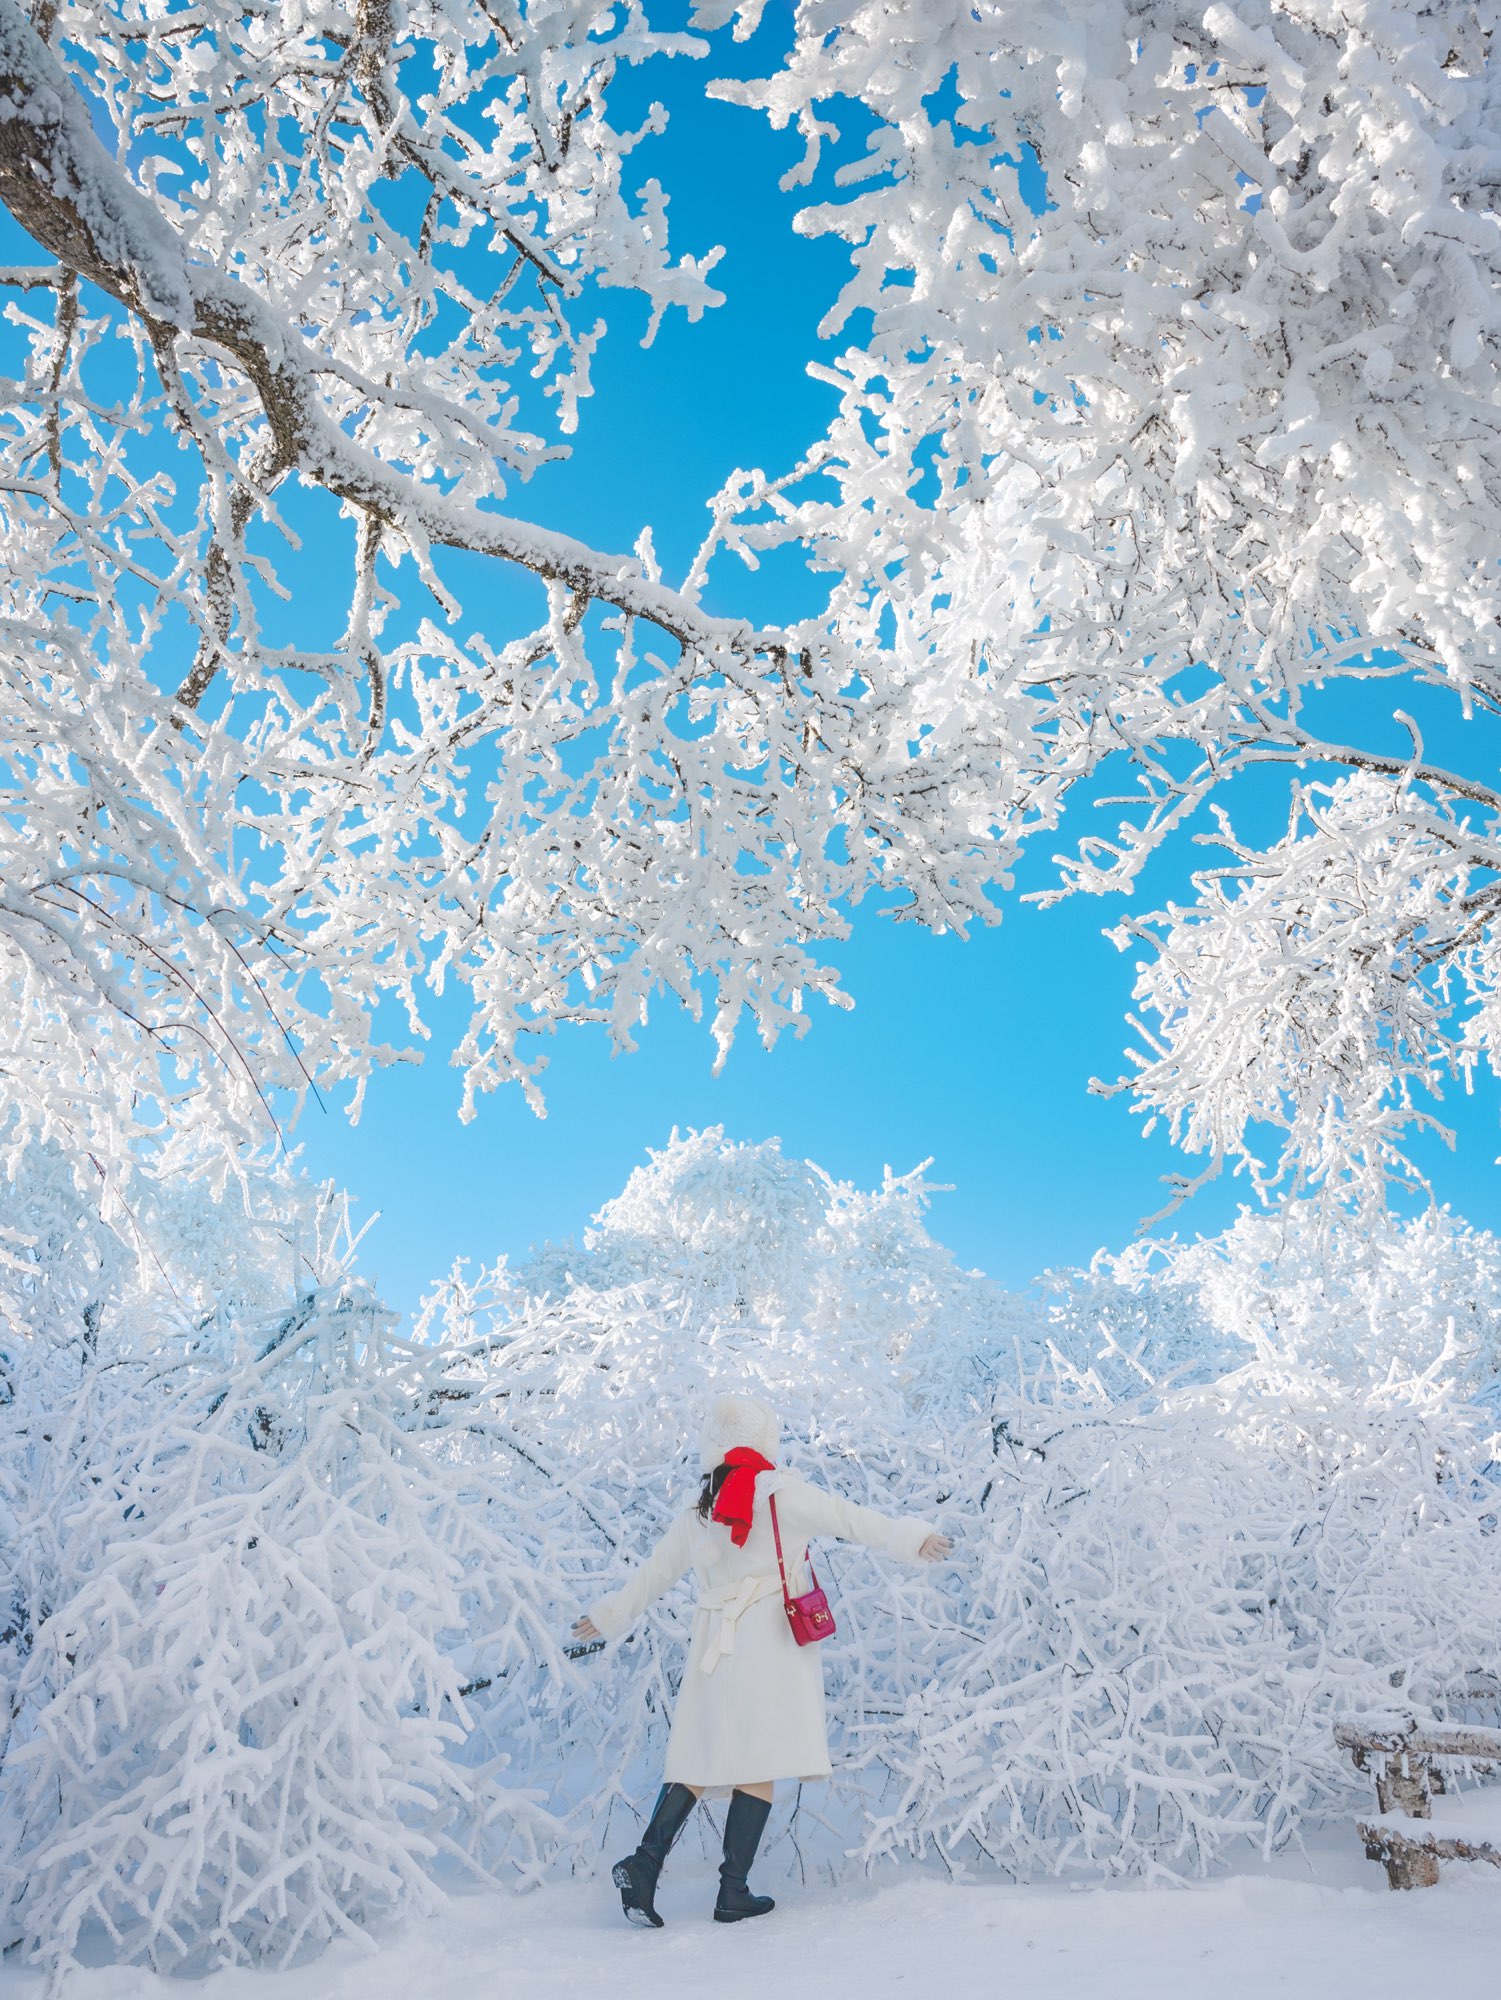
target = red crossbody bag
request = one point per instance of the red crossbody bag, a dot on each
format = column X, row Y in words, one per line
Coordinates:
column 808, row 1615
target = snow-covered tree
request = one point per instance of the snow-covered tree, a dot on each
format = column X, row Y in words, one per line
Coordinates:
column 1168, row 367
column 243, row 1572
column 1235, row 1488
column 357, row 249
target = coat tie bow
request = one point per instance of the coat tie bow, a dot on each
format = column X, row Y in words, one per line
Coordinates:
column 724, row 1608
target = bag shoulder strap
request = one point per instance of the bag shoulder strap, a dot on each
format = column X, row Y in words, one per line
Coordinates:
column 771, row 1501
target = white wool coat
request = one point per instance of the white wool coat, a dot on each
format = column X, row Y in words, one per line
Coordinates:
column 751, row 1705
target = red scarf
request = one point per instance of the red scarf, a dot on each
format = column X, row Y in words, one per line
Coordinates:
column 736, row 1498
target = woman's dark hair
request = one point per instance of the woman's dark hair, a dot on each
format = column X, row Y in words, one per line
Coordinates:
column 709, row 1491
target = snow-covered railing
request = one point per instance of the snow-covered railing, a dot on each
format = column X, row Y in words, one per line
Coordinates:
column 1405, row 1839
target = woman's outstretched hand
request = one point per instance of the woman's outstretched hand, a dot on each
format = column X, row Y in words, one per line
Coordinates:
column 585, row 1630
column 935, row 1548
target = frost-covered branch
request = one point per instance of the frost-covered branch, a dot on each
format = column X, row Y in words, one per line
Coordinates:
column 1171, row 396
column 104, row 227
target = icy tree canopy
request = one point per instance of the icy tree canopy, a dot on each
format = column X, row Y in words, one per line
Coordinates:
column 1169, row 395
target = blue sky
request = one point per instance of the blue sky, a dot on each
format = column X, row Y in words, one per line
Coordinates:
column 975, row 1053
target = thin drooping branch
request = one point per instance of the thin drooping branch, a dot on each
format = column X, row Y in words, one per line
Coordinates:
column 1412, row 770
column 373, row 37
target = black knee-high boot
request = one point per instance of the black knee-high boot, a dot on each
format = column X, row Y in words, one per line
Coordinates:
column 636, row 1876
column 744, row 1824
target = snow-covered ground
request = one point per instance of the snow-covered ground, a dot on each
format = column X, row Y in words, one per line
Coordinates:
column 1324, row 1927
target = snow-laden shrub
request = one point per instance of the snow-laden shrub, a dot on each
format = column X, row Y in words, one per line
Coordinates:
column 1420, row 1298
column 1234, row 1490
column 1171, row 1598
column 246, row 1568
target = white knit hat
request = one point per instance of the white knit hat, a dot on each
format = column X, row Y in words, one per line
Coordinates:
column 736, row 1420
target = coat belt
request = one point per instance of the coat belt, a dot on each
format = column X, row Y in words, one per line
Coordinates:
column 722, row 1609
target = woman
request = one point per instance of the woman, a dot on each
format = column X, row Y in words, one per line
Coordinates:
column 750, row 1708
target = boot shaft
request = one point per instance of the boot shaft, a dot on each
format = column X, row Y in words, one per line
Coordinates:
column 744, row 1824
column 669, row 1816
